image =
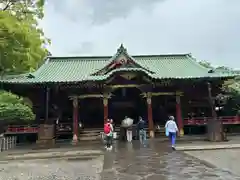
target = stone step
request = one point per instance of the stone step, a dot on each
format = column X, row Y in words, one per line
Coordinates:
column 89, row 134
column 90, row 138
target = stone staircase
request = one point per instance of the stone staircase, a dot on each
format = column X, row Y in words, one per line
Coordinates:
column 93, row 134
column 90, row 134
column 160, row 132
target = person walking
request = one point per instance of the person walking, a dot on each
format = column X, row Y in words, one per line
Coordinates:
column 108, row 131
column 171, row 130
column 141, row 131
column 128, row 122
column 113, row 130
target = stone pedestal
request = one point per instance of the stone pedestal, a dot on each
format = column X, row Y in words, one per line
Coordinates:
column 46, row 136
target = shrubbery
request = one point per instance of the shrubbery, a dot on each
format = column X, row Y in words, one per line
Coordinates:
column 13, row 109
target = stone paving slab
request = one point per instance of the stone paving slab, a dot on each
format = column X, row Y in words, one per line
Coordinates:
column 52, row 169
column 206, row 147
column 57, row 154
column 227, row 159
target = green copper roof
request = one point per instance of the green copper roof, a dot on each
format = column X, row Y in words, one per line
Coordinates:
column 76, row 69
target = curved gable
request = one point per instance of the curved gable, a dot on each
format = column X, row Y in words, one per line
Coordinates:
column 120, row 60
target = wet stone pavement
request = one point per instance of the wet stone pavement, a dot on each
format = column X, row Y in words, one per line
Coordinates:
column 126, row 162
column 52, row 169
column 157, row 162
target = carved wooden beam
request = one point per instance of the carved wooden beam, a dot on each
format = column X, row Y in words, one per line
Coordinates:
column 125, row 86
column 178, row 93
column 85, row 96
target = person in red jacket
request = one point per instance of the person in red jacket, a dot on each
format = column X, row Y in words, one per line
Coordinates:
column 108, row 131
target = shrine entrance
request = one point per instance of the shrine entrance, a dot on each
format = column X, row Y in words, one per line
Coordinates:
column 163, row 107
column 127, row 102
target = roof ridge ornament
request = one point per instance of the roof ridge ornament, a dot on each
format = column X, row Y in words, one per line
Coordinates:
column 121, row 49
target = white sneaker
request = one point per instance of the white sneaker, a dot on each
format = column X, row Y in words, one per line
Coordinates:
column 110, row 148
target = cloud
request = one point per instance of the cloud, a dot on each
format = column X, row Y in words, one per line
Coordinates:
column 100, row 11
column 83, row 48
column 209, row 29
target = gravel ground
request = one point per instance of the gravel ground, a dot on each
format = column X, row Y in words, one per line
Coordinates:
column 52, row 169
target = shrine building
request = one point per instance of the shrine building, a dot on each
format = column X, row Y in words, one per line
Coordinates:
column 91, row 89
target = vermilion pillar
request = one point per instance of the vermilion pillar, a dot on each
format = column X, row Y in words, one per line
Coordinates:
column 179, row 115
column 105, row 109
column 75, row 120
column 150, row 117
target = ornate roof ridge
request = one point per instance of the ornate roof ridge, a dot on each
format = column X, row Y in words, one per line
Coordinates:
column 96, row 58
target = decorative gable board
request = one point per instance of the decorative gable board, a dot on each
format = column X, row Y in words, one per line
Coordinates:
column 120, row 60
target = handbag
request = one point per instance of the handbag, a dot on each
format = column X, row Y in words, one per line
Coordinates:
column 166, row 132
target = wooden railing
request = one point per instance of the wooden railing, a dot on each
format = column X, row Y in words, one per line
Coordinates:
column 31, row 129
column 66, row 128
column 21, row 129
column 200, row 121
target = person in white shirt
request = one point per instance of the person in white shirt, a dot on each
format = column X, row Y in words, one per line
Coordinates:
column 129, row 123
column 172, row 130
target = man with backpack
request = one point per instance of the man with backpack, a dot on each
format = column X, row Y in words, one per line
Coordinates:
column 108, row 131
column 141, row 131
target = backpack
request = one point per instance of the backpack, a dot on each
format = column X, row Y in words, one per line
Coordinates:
column 141, row 125
column 107, row 128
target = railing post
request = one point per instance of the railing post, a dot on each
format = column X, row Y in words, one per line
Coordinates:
column 15, row 141
column 11, row 142
column 4, row 144
column 7, row 147
column 1, row 144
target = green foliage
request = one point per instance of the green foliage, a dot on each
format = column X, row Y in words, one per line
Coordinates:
column 14, row 109
column 22, row 43
column 232, row 86
column 24, row 8
column 229, row 86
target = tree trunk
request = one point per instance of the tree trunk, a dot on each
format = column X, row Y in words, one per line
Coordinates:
column 214, row 126
column 215, row 131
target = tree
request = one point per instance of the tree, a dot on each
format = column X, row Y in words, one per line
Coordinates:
column 232, row 85
column 13, row 109
column 229, row 100
column 23, row 8
column 22, row 46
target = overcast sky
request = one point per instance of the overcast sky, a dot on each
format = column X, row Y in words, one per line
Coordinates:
column 209, row 29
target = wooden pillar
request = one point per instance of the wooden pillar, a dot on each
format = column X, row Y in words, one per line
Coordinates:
column 105, row 108
column 47, row 106
column 150, row 117
column 179, row 114
column 75, row 120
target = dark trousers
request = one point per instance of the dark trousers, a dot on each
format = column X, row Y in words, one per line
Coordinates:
column 108, row 141
column 172, row 137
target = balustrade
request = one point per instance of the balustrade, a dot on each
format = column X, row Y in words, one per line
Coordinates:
column 7, row 143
